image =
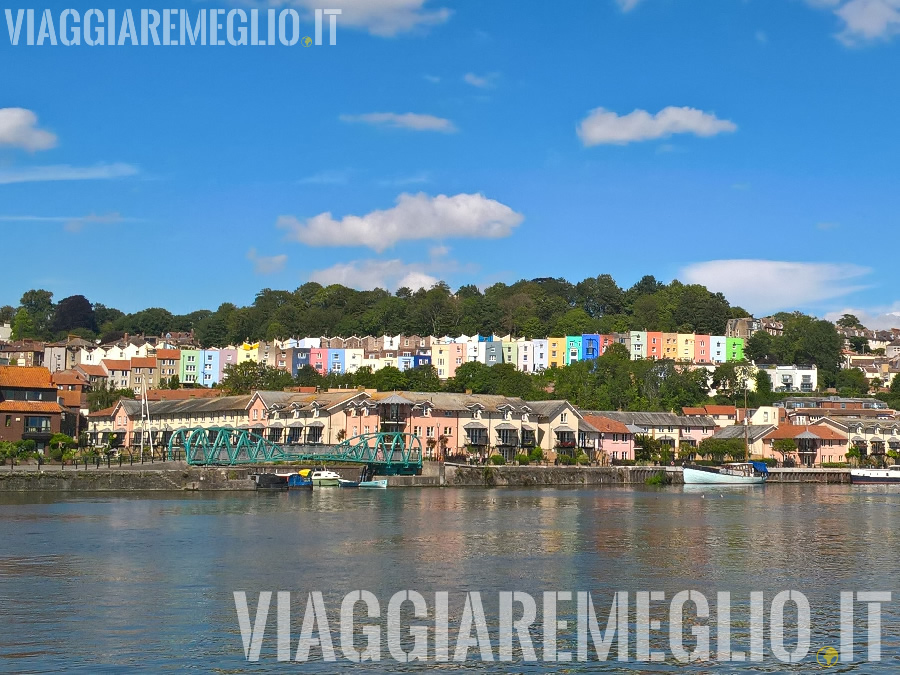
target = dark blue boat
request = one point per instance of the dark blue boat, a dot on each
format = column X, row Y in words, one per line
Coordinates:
column 298, row 482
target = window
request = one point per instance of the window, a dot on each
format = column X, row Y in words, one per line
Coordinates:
column 255, row 414
column 429, row 432
column 448, row 431
column 8, row 420
column 564, row 418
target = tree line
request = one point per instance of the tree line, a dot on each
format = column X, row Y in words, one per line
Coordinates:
column 528, row 308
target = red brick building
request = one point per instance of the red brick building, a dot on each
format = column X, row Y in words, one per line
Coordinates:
column 29, row 409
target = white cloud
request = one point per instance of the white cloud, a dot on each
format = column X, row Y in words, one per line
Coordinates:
column 414, row 217
column 761, row 37
column 384, row 18
column 328, row 177
column 763, row 286
column 18, row 128
column 36, row 174
column 869, row 20
column 413, row 121
column 71, row 223
column 266, row 264
column 434, row 79
column 369, row 274
column 876, row 318
column 602, row 126
column 481, row 81
column 627, row 5
column 413, row 179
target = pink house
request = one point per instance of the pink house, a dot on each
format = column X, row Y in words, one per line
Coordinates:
column 318, row 359
column 447, row 358
column 616, row 440
column 702, row 349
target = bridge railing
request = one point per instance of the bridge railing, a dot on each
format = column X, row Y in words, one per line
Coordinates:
column 385, row 452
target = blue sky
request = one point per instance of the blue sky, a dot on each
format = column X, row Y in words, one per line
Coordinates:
column 751, row 146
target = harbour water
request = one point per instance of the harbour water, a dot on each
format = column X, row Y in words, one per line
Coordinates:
column 121, row 582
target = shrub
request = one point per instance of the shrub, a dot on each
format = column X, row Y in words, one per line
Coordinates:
column 582, row 460
column 536, row 455
column 770, row 461
column 522, row 459
column 497, row 460
column 835, row 465
column 566, row 460
column 658, row 478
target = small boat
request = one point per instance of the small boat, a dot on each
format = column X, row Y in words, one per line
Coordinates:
column 297, row 482
column 374, row 484
column 738, row 473
column 349, row 483
column 270, row 481
column 871, row 476
column 324, row 478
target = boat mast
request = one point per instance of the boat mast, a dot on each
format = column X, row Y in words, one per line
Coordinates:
column 746, row 427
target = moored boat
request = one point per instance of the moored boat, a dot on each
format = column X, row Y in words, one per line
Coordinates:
column 738, row 473
column 374, row 484
column 875, row 476
column 349, row 483
column 297, row 482
column 324, row 478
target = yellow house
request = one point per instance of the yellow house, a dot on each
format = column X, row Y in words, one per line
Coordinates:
column 685, row 347
column 556, row 352
column 670, row 346
column 248, row 352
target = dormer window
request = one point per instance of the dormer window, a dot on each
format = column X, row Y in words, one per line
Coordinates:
column 508, row 415
column 564, row 418
column 476, row 414
column 525, row 417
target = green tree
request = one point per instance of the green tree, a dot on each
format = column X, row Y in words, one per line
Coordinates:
column 23, row 325
column 849, row 321
column 852, row 382
column 101, row 396
column 72, row 313
column 390, row 379
column 39, row 305
column 786, row 447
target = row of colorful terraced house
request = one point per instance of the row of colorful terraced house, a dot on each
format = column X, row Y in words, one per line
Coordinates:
column 143, row 363
column 457, row 425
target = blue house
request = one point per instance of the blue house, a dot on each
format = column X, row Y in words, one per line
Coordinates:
column 590, row 346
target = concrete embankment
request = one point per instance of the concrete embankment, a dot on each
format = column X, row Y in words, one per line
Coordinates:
column 434, row 475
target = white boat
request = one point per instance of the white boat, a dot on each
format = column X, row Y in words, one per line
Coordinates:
column 325, row 478
column 870, row 476
column 374, row 484
column 738, row 473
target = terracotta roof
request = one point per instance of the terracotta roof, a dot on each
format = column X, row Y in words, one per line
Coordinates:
column 30, row 406
column 31, row 377
column 183, row 394
column 793, row 430
column 106, row 412
column 117, row 364
column 93, row 370
column 693, row 411
column 720, row 410
column 606, row 425
column 70, row 399
column 168, row 354
column 67, row 377
column 148, row 362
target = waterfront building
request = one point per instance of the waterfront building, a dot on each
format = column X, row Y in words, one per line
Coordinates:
column 29, row 407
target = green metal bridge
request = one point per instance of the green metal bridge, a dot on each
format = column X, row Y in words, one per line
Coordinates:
column 387, row 454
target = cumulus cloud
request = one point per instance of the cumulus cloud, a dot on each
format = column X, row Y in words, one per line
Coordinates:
column 764, row 286
column 414, row 217
column 37, row 174
column 876, row 318
column 266, row 264
column 481, row 81
column 413, row 121
column 369, row 274
column 19, row 129
column 869, row 20
column 604, row 127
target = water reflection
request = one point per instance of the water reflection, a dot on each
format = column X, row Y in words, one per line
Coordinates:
column 116, row 581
